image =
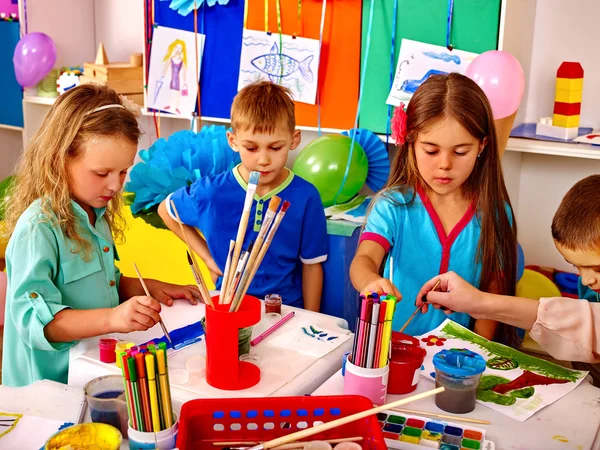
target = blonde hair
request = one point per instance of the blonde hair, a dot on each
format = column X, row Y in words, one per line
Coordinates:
column 42, row 170
column 171, row 48
column 261, row 107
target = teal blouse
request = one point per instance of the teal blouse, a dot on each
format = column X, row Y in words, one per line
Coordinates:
column 44, row 277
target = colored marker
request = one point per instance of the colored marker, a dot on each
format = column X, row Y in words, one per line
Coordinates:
column 136, row 394
column 154, row 406
column 128, row 392
column 373, row 335
column 255, row 341
column 153, row 349
column 360, row 332
column 164, row 388
column 143, row 385
column 380, row 323
column 387, row 333
column 367, row 332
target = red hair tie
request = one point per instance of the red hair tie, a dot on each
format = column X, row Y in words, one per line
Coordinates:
column 398, row 125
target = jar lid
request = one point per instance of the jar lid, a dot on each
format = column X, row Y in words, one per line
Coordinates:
column 459, row 362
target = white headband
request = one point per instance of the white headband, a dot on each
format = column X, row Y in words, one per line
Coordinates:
column 102, row 108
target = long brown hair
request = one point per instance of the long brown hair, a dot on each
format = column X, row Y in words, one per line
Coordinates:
column 460, row 98
column 42, row 170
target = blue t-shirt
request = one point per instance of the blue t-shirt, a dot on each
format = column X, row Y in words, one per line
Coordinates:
column 214, row 206
column 415, row 237
column 586, row 293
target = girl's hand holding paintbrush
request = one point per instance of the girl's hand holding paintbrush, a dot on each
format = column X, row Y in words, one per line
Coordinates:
column 136, row 314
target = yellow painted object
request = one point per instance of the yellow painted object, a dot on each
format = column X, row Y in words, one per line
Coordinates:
column 568, row 96
column 560, row 120
column 86, row 436
column 569, row 84
column 159, row 254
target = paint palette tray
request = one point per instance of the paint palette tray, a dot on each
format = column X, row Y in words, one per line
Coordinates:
column 409, row 432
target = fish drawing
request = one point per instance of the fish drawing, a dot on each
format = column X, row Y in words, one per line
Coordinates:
column 446, row 57
column 277, row 65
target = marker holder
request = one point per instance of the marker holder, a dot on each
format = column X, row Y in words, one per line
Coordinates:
column 224, row 370
column 161, row 440
column 370, row 383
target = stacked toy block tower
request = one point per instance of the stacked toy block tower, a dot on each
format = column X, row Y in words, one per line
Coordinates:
column 564, row 124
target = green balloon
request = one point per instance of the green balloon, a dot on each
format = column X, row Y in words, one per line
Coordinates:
column 323, row 163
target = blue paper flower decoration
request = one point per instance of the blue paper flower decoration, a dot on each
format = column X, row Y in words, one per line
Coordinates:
column 377, row 155
column 174, row 163
column 184, row 7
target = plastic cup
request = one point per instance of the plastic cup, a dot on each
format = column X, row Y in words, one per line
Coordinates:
column 105, row 397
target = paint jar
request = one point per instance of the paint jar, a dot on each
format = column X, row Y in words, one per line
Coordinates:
column 405, row 364
column 161, row 440
column 224, row 370
column 196, row 364
column 244, row 338
column 119, row 348
column 317, row 445
column 273, row 305
column 98, row 436
column 458, row 371
column 371, row 383
column 107, row 346
column 105, row 397
column 178, row 376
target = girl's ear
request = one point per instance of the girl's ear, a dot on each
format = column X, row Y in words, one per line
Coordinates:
column 483, row 144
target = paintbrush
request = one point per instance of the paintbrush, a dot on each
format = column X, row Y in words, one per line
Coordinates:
column 225, row 279
column 417, row 310
column 342, row 421
column 197, row 277
column 269, row 216
column 238, row 274
column 263, row 251
column 241, row 232
column 201, row 285
column 291, row 445
column 166, row 333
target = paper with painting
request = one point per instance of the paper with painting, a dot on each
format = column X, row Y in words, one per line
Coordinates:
column 290, row 61
column 24, row 431
column 417, row 61
column 513, row 383
column 174, row 70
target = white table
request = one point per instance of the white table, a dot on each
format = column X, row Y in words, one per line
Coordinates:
column 575, row 417
column 295, row 373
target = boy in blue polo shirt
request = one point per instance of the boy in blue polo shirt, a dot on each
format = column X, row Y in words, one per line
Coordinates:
column 264, row 131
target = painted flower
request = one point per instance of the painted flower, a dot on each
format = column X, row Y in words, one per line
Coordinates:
column 432, row 340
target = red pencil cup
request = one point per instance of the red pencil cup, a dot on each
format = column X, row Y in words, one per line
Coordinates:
column 224, row 370
column 405, row 364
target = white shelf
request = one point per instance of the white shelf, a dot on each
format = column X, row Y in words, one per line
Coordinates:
column 568, row 149
column 10, row 127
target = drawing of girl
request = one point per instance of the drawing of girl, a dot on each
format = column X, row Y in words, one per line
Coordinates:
column 176, row 60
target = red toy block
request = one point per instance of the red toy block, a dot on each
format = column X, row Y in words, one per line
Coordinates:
column 567, row 109
column 570, row 70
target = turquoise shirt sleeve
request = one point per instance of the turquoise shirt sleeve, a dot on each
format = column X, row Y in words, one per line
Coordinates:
column 35, row 298
column 384, row 221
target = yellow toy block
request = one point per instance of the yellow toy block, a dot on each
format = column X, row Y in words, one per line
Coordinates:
column 568, row 96
column 559, row 120
column 569, row 84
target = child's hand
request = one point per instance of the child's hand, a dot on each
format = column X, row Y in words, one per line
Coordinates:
column 136, row 314
column 382, row 285
column 165, row 292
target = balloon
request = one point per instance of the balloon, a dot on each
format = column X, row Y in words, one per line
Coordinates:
column 34, row 58
column 323, row 163
column 520, row 261
column 501, row 77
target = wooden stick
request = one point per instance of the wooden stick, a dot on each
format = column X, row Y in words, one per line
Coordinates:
column 273, row 206
column 148, row 294
column 291, row 445
column 343, row 421
column 201, row 286
column 417, row 310
column 225, row 280
column 441, row 416
column 262, row 253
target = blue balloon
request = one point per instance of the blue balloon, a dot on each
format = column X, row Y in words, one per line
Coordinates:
column 520, row 261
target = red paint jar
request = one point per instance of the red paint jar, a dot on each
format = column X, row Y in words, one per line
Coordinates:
column 107, row 349
column 405, row 364
column 273, row 305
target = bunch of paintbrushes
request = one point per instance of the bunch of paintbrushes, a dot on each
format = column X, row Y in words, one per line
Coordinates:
column 373, row 330
column 147, row 389
column 240, row 268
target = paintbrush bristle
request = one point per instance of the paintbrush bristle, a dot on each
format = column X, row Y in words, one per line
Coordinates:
column 189, row 257
column 250, row 246
column 274, row 204
column 254, row 177
column 285, row 206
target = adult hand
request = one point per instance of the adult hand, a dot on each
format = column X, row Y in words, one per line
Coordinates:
column 453, row 293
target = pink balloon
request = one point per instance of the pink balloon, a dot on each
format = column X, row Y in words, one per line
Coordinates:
column 34, row 58
column 501, row 77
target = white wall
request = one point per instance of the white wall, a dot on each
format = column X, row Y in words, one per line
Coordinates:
column 564, row 31
column 126, row 16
